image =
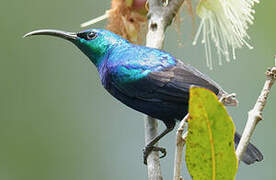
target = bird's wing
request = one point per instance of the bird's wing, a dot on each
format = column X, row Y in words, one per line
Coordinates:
column 170, row 84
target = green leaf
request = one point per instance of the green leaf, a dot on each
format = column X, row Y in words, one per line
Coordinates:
column 210, row 151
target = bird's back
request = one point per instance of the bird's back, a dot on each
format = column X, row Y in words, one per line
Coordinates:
column 152, row 81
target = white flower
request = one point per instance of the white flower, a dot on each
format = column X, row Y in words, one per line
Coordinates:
column 224, row 22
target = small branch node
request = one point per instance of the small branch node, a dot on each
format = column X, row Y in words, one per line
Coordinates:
column 153, row 26
column 229, row 99
column 185, row 136
column 165, row 3
column 271, row 73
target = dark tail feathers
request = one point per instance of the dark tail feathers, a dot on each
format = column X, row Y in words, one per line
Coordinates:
column 252, row 154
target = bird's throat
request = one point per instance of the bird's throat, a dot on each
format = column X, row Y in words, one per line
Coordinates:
column 95, row 54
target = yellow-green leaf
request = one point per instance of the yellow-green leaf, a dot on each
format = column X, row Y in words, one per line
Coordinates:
column 210, row 151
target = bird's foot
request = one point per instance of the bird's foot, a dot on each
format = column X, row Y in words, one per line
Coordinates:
column 148, row 149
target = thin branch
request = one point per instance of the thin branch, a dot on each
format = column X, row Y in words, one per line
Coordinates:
column 153, row 163
column 180, row 142
column 255, row 114
column 160, row 16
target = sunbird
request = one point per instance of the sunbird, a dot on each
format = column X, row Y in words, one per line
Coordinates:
column 145, row 79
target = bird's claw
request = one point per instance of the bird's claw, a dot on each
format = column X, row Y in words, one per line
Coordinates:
column 148, row 149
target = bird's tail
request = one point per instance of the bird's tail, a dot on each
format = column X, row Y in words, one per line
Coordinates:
column 252, row 154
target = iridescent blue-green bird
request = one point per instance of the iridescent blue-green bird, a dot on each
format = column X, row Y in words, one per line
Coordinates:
column 148, row 80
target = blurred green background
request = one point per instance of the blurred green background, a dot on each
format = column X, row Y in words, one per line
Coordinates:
column 58, row 123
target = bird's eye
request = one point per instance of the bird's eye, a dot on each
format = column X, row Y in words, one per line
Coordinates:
column 91, row 35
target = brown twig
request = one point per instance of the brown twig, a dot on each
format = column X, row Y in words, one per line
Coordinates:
column 255, row 114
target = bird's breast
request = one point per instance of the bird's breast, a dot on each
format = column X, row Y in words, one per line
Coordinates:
column 104, row 74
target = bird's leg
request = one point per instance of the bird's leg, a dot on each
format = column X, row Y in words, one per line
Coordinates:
column 150, row 146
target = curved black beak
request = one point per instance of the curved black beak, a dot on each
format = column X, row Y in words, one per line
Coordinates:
column 52, row 32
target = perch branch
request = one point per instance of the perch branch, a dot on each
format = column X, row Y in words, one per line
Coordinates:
column 160, row 16
column 153, row 163
column 255, row 114
column 180, row 142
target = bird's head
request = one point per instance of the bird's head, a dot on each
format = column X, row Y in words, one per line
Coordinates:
column 95, row 43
